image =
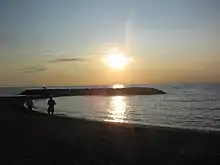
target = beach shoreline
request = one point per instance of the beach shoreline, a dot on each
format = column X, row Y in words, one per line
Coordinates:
column 36, row 138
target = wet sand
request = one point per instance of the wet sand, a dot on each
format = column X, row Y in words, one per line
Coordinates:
column 35, row 138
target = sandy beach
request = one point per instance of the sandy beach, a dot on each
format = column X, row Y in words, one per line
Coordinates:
column 35, row 138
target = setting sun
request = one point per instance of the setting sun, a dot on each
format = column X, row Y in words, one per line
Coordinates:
column 117, row 61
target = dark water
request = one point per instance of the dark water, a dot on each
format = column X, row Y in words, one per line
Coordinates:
column 186, row 106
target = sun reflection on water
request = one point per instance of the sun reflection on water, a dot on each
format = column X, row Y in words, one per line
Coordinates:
column 118, row 109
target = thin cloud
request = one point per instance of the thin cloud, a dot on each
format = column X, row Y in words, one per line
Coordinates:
column 72, row 59
column 33, row 69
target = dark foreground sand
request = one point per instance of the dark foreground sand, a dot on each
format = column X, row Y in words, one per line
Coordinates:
column 34, row 138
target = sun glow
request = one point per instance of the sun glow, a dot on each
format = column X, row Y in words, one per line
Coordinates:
column 116, row 86
column 117, row 61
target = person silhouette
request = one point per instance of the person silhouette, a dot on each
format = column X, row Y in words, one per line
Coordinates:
column 29, row 104
column 51, row 103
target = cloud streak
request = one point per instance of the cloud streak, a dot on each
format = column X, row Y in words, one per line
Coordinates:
column 71, row 59
column 33, row 69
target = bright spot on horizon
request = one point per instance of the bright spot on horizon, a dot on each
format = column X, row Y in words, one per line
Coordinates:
column 117, row 61
column 116, row 86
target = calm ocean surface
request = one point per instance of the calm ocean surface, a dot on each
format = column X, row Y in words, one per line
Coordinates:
column 184, row 106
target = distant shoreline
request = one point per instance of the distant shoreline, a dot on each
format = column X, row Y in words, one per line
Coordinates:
column 45, row 92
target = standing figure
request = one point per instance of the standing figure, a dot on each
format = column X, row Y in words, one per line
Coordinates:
column 29, row 104
column 51, row 103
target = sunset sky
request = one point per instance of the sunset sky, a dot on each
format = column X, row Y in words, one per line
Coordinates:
column 63, row 42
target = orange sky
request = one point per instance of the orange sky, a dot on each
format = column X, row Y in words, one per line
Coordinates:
column 63, row 42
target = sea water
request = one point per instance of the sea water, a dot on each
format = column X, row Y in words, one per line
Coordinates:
column 195, row 106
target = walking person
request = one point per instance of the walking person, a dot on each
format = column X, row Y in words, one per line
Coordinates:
column 51, row 103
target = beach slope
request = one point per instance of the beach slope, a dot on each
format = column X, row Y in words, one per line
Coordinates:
column 34, row 138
